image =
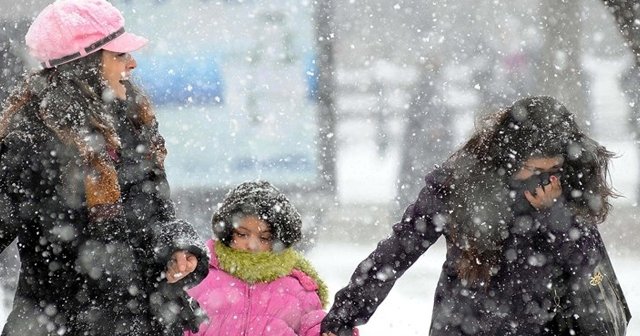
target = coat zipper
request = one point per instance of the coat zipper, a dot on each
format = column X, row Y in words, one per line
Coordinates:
column 247, row 311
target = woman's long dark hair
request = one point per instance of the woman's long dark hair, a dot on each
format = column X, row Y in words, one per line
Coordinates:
column 482, row 168
column 73, row 102
column 69, row 102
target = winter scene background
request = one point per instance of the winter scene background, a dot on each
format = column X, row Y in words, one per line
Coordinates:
column 240, row 91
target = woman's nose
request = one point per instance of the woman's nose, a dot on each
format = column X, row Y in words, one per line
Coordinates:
column 131, row 63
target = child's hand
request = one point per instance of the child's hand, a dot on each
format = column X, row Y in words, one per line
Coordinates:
column 545, row 195
column 181, row 264
column 356, row 332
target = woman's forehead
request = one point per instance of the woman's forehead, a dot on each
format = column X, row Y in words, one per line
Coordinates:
column 544, row 162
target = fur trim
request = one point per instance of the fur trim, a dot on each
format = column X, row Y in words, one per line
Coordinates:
column 267, row 266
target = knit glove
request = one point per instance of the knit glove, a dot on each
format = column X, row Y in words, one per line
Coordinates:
column 175, row 309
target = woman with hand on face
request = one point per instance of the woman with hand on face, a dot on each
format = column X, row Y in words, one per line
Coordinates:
column 518, row 205
column 83, row 188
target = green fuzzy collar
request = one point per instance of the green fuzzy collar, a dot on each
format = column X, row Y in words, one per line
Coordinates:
column 267, row 266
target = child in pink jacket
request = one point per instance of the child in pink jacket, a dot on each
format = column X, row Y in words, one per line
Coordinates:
column 257, row 284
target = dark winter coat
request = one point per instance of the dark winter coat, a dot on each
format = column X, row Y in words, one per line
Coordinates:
column 546, row 260
column 85, row 277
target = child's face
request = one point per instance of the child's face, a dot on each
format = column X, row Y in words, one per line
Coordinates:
column 252, row 235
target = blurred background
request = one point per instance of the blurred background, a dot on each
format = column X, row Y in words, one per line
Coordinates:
column 346, row 104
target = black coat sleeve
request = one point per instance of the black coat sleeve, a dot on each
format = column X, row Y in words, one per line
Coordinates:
column 167, row 235
column 153, row 208
column 149, row 208
column 147, row 195
column 10, row 187
column 376, row 275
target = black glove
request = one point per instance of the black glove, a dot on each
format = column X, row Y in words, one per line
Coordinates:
column 175, row 309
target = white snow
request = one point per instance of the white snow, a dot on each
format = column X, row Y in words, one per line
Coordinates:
column 366, row 176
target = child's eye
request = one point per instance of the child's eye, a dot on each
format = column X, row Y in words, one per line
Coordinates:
column 239, row 234
column 265, row 239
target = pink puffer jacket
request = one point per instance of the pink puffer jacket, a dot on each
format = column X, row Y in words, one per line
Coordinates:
column 286, row 306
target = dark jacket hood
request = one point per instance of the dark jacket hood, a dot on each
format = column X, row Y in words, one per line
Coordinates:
column 262, row 199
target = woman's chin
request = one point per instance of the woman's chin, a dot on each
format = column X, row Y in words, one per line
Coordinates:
column 110, row 94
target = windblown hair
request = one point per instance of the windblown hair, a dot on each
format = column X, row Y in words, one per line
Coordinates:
column 531, row 127
column 72, row 101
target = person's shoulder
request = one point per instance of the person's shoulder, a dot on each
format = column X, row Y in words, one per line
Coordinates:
column 28, row 131
column 25, row 141
column 213, row 256
column 439, row 180
column 18, row 137
column 306, row 282
column 439, row 174
column 306, row 288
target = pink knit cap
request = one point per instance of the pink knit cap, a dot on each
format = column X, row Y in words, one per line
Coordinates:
column 70, row 29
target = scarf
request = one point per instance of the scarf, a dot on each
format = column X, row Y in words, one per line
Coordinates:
column 267, row 266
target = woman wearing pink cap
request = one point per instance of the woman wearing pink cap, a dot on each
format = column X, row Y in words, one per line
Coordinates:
column 83, row 189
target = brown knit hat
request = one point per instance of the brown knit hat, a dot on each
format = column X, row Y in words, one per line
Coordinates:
column 262, row 199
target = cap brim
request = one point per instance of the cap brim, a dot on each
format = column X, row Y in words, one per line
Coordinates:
column 125, row 43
